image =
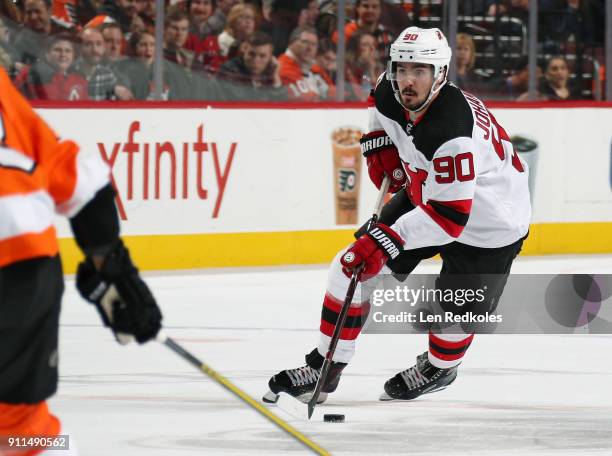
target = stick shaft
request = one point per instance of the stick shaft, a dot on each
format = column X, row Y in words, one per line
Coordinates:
column 384, row 188
column 228, row 385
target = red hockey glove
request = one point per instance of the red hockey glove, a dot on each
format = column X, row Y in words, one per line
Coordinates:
column 379, row 244
column 382, row 158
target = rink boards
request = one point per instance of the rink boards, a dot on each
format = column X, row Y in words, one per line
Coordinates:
column 243, row 185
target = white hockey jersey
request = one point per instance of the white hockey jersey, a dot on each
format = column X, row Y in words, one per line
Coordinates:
column 464, row 178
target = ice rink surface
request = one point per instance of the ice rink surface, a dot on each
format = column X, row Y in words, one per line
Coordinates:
column 515, row 394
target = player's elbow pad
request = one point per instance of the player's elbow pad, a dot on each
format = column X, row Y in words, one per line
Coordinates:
column 96, row 226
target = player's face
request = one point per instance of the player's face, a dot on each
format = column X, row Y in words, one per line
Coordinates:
column 257, row 58
column 200, row 10
column 61, row 55
column 177, row 32
column 92, row 47
column 414, row 81
column 368, row 11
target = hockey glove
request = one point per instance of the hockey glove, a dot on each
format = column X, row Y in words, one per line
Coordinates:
column 383, row 158
column 379, row 244
column 123, row 300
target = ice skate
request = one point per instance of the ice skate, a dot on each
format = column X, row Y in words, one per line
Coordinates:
column 420, row 379
column 301, row 381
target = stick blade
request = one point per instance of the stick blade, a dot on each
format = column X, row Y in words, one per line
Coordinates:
column 292, row 406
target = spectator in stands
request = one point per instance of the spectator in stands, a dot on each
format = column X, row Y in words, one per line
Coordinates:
column 36, row 27
column 513, row 86
column 363, row 64
column 145, row 9
column 53, row 78
column 512, row 8
column 10, row 12
column 254, row 75
column 101, row 80
column 509, row 87
column 368, row 19
column 37, row 16
column 216, row 50
column 6, row 51
column 555, row 84
column 176, row 31
column 124, row 13
column 465, row 58
column 281, row 17
column 296, row 67
column 326, row 60
column 113, row 42
column 215, row 24
column 327, row 22
column 308, row 15
column 199, row 12
column 565, row 24
column 137, row 71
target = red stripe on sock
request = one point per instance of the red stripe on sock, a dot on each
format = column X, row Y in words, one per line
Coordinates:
column 451, row 344
column 335, row 306
column 444, row 357
column 346, row 333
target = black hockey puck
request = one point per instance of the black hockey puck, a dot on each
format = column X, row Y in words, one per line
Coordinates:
column 332, row 418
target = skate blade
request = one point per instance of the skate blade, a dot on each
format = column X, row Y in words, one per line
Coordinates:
column 385, row 397
column 270, row 397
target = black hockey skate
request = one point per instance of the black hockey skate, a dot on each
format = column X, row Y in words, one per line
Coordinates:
column 420, row 379
column 301, row 382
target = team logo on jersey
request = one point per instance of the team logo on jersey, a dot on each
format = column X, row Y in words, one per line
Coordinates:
column 398, row 174
column 347, row 179
column 349, row 257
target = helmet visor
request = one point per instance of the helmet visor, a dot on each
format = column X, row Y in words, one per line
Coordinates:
column 403, row 72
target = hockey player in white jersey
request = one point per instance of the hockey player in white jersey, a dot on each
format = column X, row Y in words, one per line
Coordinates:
column 460, row 192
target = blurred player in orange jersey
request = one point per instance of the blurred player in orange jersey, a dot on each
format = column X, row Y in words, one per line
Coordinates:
column 40, row 175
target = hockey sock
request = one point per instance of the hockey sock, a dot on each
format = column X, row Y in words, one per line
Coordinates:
column 357, row 315
column 447, row 350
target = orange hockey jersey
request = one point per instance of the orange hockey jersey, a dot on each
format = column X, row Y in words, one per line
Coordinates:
column 40, row 176
column 303, row 85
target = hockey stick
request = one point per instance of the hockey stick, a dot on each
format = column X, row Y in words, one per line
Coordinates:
column 225, row 383
column 289, row 403
column 384, row 188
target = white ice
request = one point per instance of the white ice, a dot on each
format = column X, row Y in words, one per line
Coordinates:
column 515, row 394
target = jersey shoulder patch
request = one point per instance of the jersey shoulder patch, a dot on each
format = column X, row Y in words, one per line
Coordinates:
column 448, row 117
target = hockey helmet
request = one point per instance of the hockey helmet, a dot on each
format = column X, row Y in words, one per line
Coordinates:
column 419, row 45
